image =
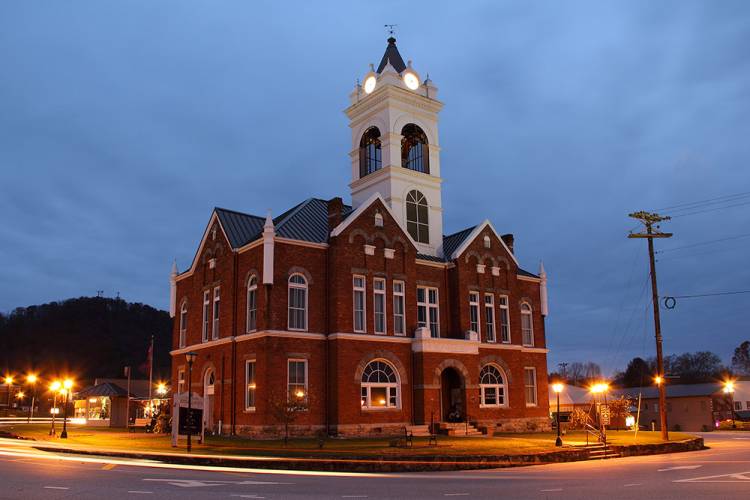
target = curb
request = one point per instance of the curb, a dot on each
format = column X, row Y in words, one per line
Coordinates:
column 413, row 463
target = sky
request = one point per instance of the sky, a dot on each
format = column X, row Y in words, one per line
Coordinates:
column 122, row 124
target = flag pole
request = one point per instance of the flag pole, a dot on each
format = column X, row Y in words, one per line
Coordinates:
column 150, row 369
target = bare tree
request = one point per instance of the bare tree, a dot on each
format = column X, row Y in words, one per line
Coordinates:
column 286, row 408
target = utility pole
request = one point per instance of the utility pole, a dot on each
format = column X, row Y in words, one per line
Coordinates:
column 651, row 220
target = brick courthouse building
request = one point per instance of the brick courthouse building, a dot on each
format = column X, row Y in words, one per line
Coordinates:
column 367, row 314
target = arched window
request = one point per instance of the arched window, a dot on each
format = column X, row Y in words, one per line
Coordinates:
column 369, row 152
column 183, row 324
column 527, row 325
column 380, row 385
column 297, row 302
column 491, row 386
column 414, row 153
column 252, row 303
column 416, row 217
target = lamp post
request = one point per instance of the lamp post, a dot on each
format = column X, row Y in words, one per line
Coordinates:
column 9, row 382
column 601, row 388
column 31, row 379
column 161, row 391
column 558, row 387
column 55, row 388
column 729, row 389
column 190, row 360
column 67, row 385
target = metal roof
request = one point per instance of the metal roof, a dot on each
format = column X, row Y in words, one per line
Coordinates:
column 673, row 391
column 240, row 228
column 106, row 389
column 392, row 55
column 453, row 241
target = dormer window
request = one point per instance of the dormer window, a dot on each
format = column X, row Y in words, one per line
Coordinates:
column 414, row 155
column 417, row 223
column 370, row 158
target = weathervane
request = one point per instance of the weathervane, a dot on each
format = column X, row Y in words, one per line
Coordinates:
column 390, row 27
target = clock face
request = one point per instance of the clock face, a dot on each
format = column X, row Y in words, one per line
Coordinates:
column 370, row 84
column 411, row 80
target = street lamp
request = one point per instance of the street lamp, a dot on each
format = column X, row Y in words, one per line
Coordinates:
column 55, row 388
column 558, row 388
column 31, row 379
column 9, row 382
column 729, row 389
column 601, row 388
column 67, row 385
column 658, row 380
column 190, row 357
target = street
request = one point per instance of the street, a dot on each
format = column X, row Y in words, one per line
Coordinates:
column 720, row 472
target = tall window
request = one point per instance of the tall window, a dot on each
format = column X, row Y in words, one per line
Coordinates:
column 379, row 386
column 399, row 321
column 427, row 310
column 369, row 152
column 180, row 381
column 206, row 314
column 416, row 217
column 378, row 304
column 297, row 302
column 297, row 379
column 474, row 312
column 358, row 284
column 414, row 153
column 504, row 320
column 491, row 386
column 250, row 384
column 183, row 324
column 527, row 325
column 529, row 381
column 217, row 303
column 489, row 316
column 252, row 303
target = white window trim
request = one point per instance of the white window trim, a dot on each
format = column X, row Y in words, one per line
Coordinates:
column 369, row 385
column 504, row 387
column 530, row 314
column 474, row 298
column 251, row 287
column 375, row 293
column 402, row 296
column 288, row 382
column 491, row 307
column 255, row 375
column 215, row 323
column 183, row 325
column 181, row 381
column 427, row 305
column 206, row 315
column 504, row 307
column 363, row 290
column 526, row 387
column 305, row 287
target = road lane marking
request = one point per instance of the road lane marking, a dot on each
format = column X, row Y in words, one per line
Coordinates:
column 631, row 484
column 736, row 477
column 455, row 494
column 109, row 466
column 140, row 492
column 245, row 496
column 680, row 467
column 353, row 496
column 553, row 489
column 56, row 488
column 196, row 483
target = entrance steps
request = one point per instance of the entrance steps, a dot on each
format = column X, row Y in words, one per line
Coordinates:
column 599, row 451
column 459, row 429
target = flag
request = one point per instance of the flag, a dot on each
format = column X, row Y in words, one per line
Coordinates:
column 145, row 367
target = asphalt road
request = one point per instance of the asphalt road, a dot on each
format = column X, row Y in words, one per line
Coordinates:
column 720, row 472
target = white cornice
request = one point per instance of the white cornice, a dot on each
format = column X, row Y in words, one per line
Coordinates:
column 279, row 333
column 422, row 262
column 528, row 278
column 448, row 346
column 202, row 345
column 370, row 338
column 301, row 243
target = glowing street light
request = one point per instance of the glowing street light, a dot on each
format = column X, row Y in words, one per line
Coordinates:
column 601, row 388
column 55, row 387
column 658, row 380
column 31, row 378
column 67, row 385
column 558, row 388
column 8, row 380
column 20, row 395
column 161, row 389
column 729, row 389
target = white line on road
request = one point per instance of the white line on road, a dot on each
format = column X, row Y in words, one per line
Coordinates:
column 680, row 467
column 140, row 492
column 631, row 484
column 455, row 494
column 56, row 488
column 245, row 496
column 552, row 489
column 353, row 496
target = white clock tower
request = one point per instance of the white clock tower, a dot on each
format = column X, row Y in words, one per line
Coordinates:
column 395, row 147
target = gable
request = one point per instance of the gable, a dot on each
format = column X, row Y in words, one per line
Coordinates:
column 362, row 210
column 473, row 235
column 214, row 226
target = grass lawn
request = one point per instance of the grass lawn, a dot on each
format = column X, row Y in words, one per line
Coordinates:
column 506, row 444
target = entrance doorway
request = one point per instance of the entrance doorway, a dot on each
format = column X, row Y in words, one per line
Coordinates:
column 208, row 400
column 452, row 396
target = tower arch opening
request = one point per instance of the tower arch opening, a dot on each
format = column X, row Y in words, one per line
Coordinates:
column 414, row 149
column 370, row 153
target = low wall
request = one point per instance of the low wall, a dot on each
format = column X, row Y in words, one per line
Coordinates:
column 633, row 450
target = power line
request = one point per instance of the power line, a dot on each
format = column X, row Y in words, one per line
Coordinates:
column 708, row 242
column 719, row 199
column 705, row 295
column 710, row 210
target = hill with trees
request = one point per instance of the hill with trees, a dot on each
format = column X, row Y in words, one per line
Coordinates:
column 87, row 337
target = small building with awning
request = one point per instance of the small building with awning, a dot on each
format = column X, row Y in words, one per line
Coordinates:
column 105, row 403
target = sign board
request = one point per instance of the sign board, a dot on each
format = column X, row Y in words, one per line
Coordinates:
column 190, row 421
column 604, row 414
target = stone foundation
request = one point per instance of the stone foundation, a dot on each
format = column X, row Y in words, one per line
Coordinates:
column 519, row 425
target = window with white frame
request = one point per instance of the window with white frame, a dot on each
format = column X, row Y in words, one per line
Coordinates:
column 738, row 405
column 474, row 312
column 206, row 314
column 183, row 324
column 491, row 386
column 378, row 305
column 427, row 310
column 297, row 379
column 217, row 302
column 529, row 382
column 252, row 303
column 297, row 302
column 180, row 381
column 399, row 320
column 489, row 316
column 250, row 384
column 504, row 319
column 527, row 325
column 379, row 386
column 359, row 286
